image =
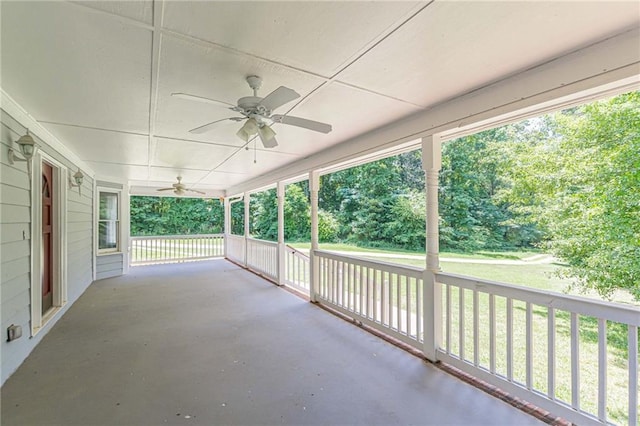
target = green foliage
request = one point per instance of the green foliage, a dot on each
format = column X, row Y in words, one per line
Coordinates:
column 175, row 216
column 297, row 217
column 583, row 185
column 237, row 218
column 327, row 227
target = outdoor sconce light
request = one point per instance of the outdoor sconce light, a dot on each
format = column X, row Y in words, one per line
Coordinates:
column 78, row 177
column 27, row 148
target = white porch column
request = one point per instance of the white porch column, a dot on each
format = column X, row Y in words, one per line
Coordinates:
column 281, row 251
column 432, row 299
column 227, row 225
column 247, row 197
column 314, row 186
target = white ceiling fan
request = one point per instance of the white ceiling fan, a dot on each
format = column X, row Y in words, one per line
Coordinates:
column 180, row 188
column 258, row 113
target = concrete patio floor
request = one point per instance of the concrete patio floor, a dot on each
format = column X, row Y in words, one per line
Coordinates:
column 208, row 343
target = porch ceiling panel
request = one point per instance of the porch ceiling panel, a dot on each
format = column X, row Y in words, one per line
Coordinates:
column 195, row 155
column 110, row 68
column 319, row 37
column 168, row 174
column 117, row 170
column 138, row 10
column 452, row 48
column 103, row 146
column 358, row 112
column 66, row 65
column 265, row 160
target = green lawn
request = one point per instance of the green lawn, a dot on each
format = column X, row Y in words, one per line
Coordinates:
column 512, row 255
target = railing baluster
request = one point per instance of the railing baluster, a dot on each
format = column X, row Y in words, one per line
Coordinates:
column 632, row 342
column 461, row 315
column 529, row 346
column 602, row 370
column 575, row 361
column 551, row 353
column 398, row 303
column 375, row 295
column 448, row 318
column 510, row 339
column 492, row 333
column 407, row 301
column 476, row 328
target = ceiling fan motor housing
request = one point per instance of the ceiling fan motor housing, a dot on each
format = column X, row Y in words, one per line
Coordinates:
column 249, row 103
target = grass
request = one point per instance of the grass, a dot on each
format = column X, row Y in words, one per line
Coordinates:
column 508, row 255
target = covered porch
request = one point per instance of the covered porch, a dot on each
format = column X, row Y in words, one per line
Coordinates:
column 211, row 343
column 98, row 105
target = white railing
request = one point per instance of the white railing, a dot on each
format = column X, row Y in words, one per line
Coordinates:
column 235, row 248
column 296, row 268
column 385, row 296
column 175, row 248
column 262, row 257
column 531, row 343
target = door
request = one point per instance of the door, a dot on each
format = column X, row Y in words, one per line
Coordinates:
column 47, row 237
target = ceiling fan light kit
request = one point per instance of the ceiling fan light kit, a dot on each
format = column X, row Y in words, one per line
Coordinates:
column 258, row 113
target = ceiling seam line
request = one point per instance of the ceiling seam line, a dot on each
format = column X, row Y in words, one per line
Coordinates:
column 158, row 9
column 79, row 126
column 377, row 43
column 207, row 43
column 123, row 19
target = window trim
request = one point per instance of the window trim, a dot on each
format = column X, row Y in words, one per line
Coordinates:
column 119, row 242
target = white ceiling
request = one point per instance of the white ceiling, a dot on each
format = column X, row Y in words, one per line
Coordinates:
column 99, row 74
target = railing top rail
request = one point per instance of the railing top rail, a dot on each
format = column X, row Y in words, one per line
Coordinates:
column 407, row 270
column 174, row 237
column 595, row 308
column 264, row 242
column 295, row 251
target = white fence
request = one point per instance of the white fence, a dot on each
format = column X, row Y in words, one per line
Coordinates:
column 175, row 248
column 533, row 344
column 262, row 257
column 482, row 335
column 235, row 248
column 385, row 296
column 297, row 273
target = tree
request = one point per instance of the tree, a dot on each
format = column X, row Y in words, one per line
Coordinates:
column 175, row 216
column 583, row 185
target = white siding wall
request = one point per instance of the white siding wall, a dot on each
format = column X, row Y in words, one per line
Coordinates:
column 15, row 239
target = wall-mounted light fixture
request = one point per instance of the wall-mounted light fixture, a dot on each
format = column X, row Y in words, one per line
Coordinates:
column 27, row 149
column 76, row 182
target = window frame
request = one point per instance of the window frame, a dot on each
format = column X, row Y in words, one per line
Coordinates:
column 117, row 221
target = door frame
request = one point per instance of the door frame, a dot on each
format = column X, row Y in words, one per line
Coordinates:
column 59, row 246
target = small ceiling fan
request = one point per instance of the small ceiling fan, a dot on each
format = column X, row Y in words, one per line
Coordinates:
column 258, row 113
column 180, row 188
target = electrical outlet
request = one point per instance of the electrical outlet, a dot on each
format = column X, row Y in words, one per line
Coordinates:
column 14, row 332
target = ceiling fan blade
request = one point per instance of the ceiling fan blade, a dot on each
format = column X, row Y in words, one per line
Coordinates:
column 165, row 189
column 205, row 128
column 316, row 126
column 279, row 97
column 201, row 99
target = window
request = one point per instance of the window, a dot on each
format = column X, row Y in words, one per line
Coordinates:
column 109, row 222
